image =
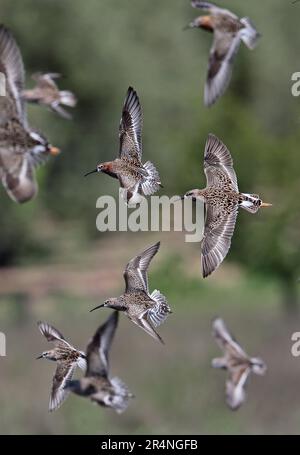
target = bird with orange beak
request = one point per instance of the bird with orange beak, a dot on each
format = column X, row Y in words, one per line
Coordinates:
column 228, row 32
column 21, row 148
column 222, row 200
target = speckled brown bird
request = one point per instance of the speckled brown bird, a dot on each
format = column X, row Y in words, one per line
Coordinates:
column 238, row 364
column 96, row 384
column 67, row 359
column 144, row 309
column 21, row 148
column 135, row 178
column 222, row 200
column 228, row 32
column 47, row 93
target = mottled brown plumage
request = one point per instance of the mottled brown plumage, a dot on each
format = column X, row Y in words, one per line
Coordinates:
column 222, row 200
column 144, row 309
column 47, row 93
column 96, row 384
column 67, row 358
column 228, row 31
column 238, row 364
column 135, row 178
column 21, row 148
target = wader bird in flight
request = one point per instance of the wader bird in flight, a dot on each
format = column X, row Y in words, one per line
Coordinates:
column 228, row 32
column 222, row 200
column 96, row 384
column 135, row 178
column 238, row 364
column 46, row 93
column 21, row 148
column 67, row 359
column 144, row 309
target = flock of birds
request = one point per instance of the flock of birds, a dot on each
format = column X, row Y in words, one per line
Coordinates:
column 22, row 149
column 146, row 311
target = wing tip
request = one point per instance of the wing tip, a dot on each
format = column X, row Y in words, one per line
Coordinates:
column 217, row 323
column 131, row 93
column 201, row 5
column 42, row 326
column 159, row 338
column 157, row 245
column 154, row 247
column 4, row 29
column 206, row 272
column 113, row 318
column 7, row 36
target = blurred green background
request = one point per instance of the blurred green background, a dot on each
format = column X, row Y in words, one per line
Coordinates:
column 55, row 265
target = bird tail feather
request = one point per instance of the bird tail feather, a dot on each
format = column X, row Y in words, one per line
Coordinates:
column 151, row 181
column 121, row 396
column 249, row 34
column 68, row 98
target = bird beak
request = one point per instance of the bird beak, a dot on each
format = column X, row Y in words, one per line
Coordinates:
column 92, row 172
column 54, row 151
column 265, row 204
column 187, row 27
column 97, row 307
column 39, row 357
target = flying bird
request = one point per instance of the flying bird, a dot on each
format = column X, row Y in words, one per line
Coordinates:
column 238, row 364
column 67, row 359
column 144, row 309
column 21, row 148
column 222, row 200
column 135, row 178
column 96, row 384
column 228, row 32
column 46, row 93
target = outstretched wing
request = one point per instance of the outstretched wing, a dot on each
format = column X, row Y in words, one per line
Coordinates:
column 144, row 323
column 218, row 231
column 224, row 49
column 64, row 372
column 130, row 130
column 218, row 164
column 212, row 8
column 52, row 334
column 235, row 360
column 226, row 341
column 12, row 76
column 135, row 274
column 235, row 386
column 99, row 346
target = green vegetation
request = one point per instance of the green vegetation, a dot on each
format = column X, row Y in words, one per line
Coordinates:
column 55, row 265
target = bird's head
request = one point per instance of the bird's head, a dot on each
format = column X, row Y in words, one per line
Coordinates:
column 258, row 366
column 41, row 146
column 200, row 22
column 102, row 167
column 116, row 303
column 194, row 195
column 45, row 355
